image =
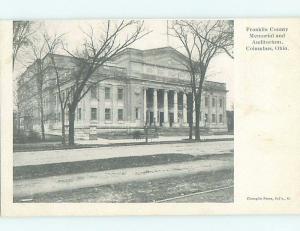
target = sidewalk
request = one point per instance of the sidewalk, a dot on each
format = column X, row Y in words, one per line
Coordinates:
column 101, row 141
column 71, row 155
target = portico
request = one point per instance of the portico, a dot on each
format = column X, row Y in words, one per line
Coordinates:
column 165, row 107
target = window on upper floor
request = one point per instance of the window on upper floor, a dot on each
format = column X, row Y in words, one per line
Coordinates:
column 94, row 92
column 120, row 93
column 206, row 101
column 107, row 92
column 213, row 104
column 221, row 102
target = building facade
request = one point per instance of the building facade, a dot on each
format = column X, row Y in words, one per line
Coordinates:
column 147, row 87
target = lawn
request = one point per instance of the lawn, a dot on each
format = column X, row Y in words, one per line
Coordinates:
column 45, row 170
column 149, row 191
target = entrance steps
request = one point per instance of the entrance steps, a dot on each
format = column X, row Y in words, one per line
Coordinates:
column 180, row 131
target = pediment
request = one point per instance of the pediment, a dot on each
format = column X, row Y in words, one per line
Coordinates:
column 167, row 57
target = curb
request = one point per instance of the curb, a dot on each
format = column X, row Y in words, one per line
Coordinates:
column 81, row 146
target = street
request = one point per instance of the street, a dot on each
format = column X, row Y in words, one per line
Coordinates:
column 142, row 173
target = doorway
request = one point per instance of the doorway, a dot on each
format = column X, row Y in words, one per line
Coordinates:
column 151, row 118
column 161, row 119
column 171, row 118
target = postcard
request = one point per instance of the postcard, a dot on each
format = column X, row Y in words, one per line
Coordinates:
column 150, row 117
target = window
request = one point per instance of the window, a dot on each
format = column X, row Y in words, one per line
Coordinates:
column 206, row 101
column 94, row 92
column 213, row 118
column 107, row 93
column 220, row 118
column 107, row 114
column 79, row 114
column 221, row 102
column 137, row 113
column 206, row 117
column 200, row 115
column 120, row 93
column 93, row 113
column 213, row 102
column 120, row 114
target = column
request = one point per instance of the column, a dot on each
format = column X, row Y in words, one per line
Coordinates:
column 175, row 109
column 184, row 109
column 166, row 109
column 155, row 106
column 145, row 105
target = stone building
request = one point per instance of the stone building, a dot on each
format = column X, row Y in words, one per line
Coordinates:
column 146, row 87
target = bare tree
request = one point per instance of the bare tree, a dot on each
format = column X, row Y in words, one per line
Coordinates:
column 53, row 44
column 96, row 52
column 21, row 33
column 39, row 52
column 202, row 41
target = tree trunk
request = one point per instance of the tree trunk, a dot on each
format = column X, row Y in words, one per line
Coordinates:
column 197, row 126
column 190, row 118
column 63, row 129
column 42, row 124
column 71, row 125
column 190, row 131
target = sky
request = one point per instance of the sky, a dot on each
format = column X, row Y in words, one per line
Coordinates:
column 220, row 69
